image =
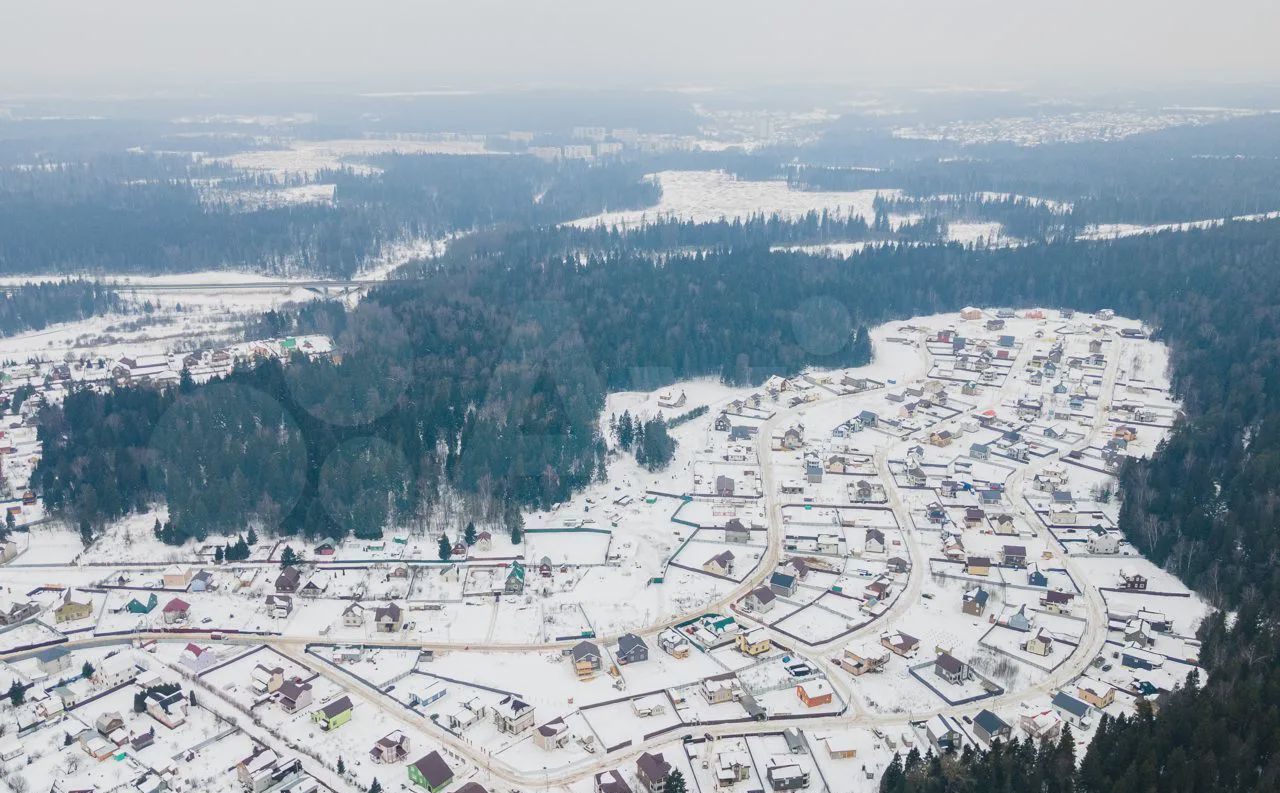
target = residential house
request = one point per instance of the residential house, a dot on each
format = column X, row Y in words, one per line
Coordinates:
column 814, row 693
column 974, row 517
column 266, row 679
column 977, row 565
column 176, row 610
column 611, row 782
column 353, row 615
column 115, row 670
column 203, row 581
column 169, row 708
column 900, row 643
column 1035, row 577
column 1057, row 602
column 293, row 695
column 1095, row 692
column 288, row 580
column 137, row 606
column 1040, row 644
column 431, row 772
column 1014, row 555
column 334, row 714
column 874, row 541
column 734, row 531
column 265, row 769
column 943, row 733
column 388, row 618
column 176, row 576
column 390, row 748
column 512, row 715
column 861, row 657
column 197, row 659
column 760, row 600
column 974, row 602
column 951, row 669
column 75, row 605
column 783, row 584
column 14, row 611
column 1019, row 620
column 315, row 585
column 53, row 660
column 586, row 660
column 631, row 649
column 754, row 642
column 279, row 606
column 552, row 735
column 724, row 486
column 840, row 747
column 1071, row 710
column 673, row 644
column 514, row 585
column 652, row 771
column 720, row 688
column 1102, row 541
column 721, row 564
column 787, row 776
column 988, row 726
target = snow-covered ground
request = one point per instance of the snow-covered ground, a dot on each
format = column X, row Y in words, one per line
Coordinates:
column 1108, row 231
column 709, row 196
column 308, row 158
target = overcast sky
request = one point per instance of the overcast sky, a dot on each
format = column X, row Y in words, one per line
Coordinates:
column 84, row 45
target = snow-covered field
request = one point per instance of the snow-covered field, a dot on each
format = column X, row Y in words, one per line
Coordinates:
column 709, row 196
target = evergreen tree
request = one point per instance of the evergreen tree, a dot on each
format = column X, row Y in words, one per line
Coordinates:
column 253, row 537
column 445, row 548
column 469, row 536
column 342, row 767
column 675, row 782
column 86, row 671
column 17, row 693
column 288, row 557
column 218, row 555
column 375, row 786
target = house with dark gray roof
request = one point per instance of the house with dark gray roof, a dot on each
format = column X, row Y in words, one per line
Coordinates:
column 632, row 649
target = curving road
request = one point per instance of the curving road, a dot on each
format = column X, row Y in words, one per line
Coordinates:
column 1091, row 641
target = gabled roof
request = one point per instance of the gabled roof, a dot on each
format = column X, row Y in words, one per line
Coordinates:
column 763, row 594
column 950, row 663
column 1070, row 704
column 653, row 767
column 434, row 769
column 337, row 707
column 990, row 722
column 585, row 651
column 629, row 643
column 783, row 580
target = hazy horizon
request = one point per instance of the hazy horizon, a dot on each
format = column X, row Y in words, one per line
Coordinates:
column 77, row 47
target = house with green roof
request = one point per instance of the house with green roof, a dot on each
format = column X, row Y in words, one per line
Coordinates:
column 515, row 579
column 136, row 606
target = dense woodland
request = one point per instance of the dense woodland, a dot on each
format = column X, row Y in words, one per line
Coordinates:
column 145, row 213
column 37, row 305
